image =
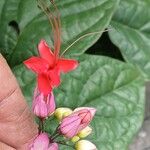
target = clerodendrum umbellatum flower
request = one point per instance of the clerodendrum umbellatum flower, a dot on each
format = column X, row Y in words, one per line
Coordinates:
column 43, row 106
column 78, row 120
column 50, row 64
column 85, row 145
column 42, row 142
column 48, row 67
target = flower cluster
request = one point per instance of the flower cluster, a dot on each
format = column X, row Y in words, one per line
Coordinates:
column 73, row 125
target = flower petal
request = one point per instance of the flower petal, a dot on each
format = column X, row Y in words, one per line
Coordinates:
column 45, row 52
column 54, row 76
column 66, row 65
column 36, row 64
column 86, row 114
column 91, row 109
column 44, row 84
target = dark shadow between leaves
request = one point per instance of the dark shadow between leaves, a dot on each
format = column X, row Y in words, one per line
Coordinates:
column 15, row 26
column 105, row 47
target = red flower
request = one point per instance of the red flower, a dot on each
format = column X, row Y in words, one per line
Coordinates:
column 48, row 67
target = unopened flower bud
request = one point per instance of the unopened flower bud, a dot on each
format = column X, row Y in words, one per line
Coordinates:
column 92, row 110
column 78, row 120
column 85, row 145
column 85, row 132
column 62, row 112
column 41, row 142
column 53, row 146
column 75, row 139
column 67, row 113
column 43, row 106
column 69, row 126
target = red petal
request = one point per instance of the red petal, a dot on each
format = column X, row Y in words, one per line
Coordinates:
column 66, row 65
column 44, row 84
column 36, row 64
column 45, row 52
column 54, row 76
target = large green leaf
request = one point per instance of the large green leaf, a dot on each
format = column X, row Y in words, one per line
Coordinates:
column 131, row 32
column 78, row 17
column 114, row 88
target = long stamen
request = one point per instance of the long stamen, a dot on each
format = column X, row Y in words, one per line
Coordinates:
column 48, row 13
column 55, row 22
column 57, row 39
column 57, row 30
column 81, row 37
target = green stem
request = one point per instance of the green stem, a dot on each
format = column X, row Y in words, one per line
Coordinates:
column 55, row 132
column 64, row 143
column 55, row 136
column 41, row 124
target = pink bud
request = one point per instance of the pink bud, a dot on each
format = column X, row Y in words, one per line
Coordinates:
column 86, row 114
column 43, row 105
column 92, row 110
column 41, row 142
column 70, row 125
column 53, row 146
column 78, row 120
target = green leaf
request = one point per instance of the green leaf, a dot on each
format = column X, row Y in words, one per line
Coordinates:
column 131, row 32
column 78, row 18
column 114, row 88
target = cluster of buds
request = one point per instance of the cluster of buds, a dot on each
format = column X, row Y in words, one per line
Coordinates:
column 73, row 125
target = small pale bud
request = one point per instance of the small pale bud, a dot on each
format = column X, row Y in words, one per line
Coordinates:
column 85, row 132
column 85, row 145
column 62, row 112
column 75, row 139
column 69, row 112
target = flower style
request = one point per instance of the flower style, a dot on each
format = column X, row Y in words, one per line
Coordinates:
column 78, row 120
column 48, row 67
column 43, row 105
column 42, row 142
